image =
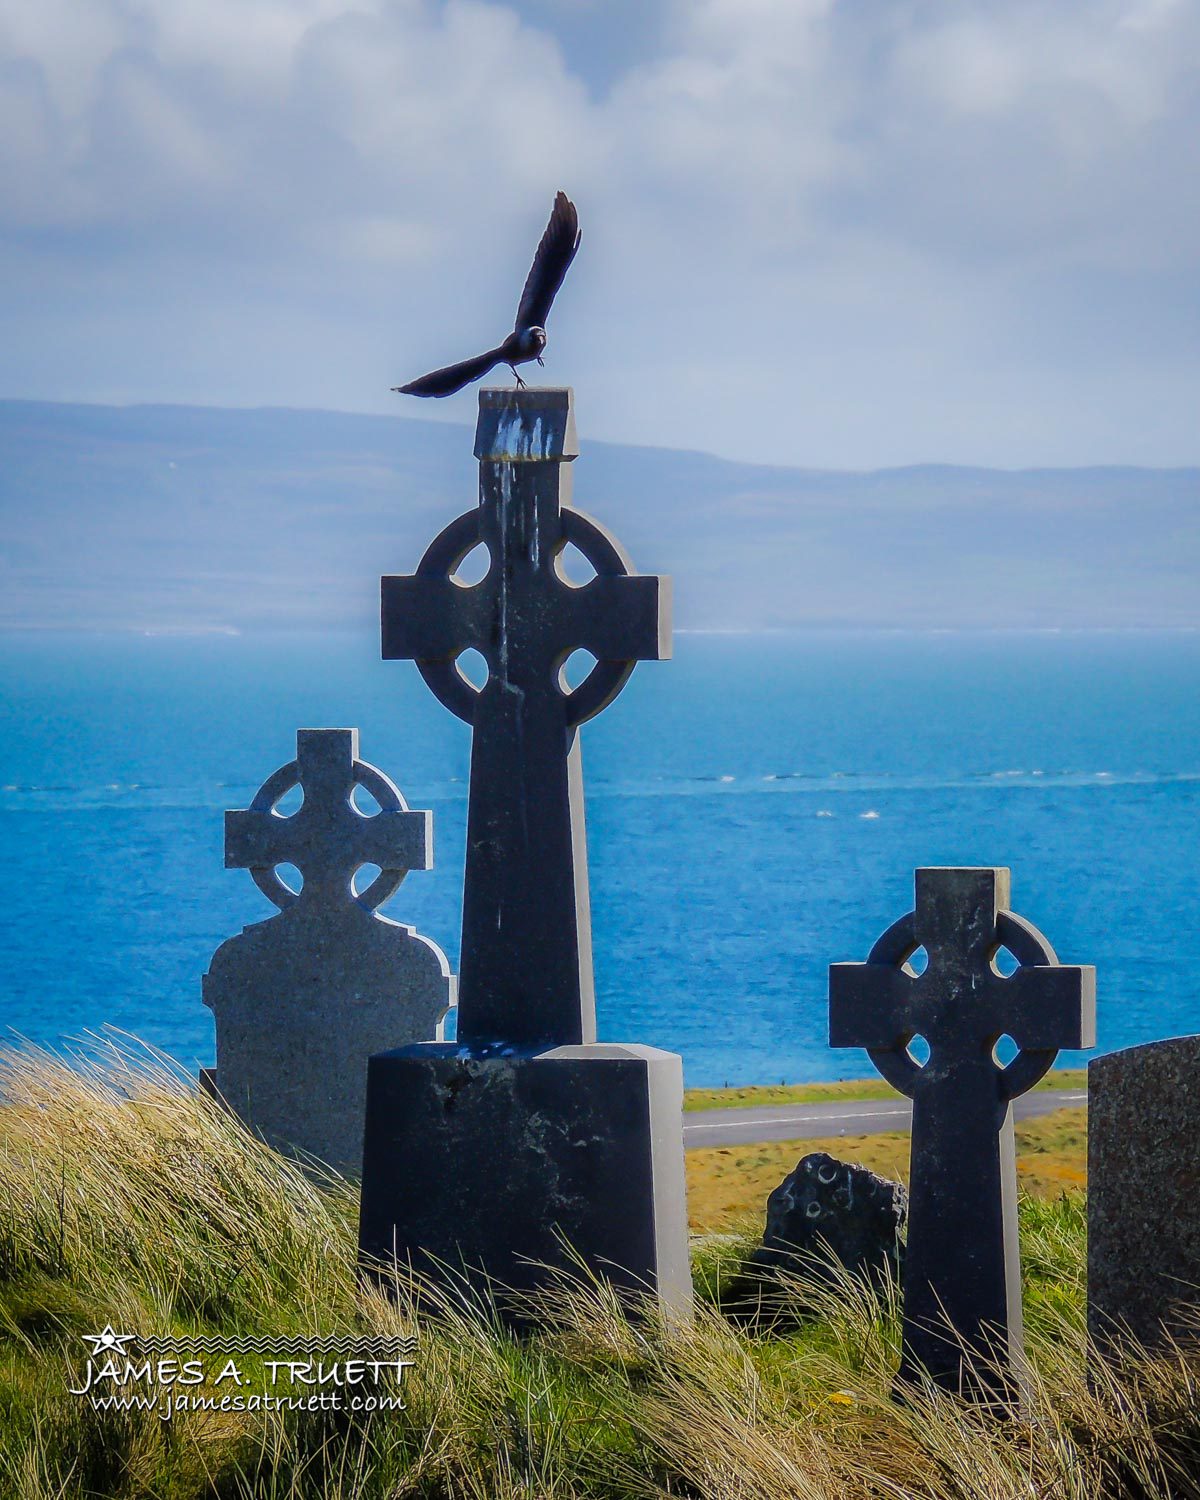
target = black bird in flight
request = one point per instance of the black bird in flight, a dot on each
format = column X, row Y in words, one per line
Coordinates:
column 555, row 252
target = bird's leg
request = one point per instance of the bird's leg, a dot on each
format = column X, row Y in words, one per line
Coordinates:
column 541, row 361
column 517, row 378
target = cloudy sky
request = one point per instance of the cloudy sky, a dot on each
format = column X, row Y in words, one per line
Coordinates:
column 824, row 232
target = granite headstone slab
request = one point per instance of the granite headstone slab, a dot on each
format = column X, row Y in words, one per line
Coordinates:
column 302, row 999
column 962, row 1285
column 1144, row 1194
column 526, row 1144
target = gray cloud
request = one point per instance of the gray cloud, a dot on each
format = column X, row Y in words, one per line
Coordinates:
column 815, row 231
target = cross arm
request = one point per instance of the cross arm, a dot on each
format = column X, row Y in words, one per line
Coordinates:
column 394, row 840
column 870, row 1005
column 255, row 840
column 622, row 619
column 429, row 619
column 1051, row 1006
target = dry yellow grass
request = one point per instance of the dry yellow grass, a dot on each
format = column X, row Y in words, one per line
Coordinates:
column 129, row 1198
column 729, row 1184
column 845, row 1090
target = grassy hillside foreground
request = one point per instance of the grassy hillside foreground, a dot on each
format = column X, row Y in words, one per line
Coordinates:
column 127, row 1199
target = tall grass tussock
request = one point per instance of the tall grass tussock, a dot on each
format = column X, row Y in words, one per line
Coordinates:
column 127, row 1198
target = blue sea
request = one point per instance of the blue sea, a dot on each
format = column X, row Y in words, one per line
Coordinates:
column 756, row 808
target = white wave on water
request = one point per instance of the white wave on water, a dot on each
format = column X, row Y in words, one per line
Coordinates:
column 203, row 792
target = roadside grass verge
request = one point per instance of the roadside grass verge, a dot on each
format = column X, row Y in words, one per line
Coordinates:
column 850, row 1090
column 728, row 1185
column 128, row 1198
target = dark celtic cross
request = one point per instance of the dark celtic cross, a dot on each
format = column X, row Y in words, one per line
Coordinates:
column 962, row 1288
column 526, row 969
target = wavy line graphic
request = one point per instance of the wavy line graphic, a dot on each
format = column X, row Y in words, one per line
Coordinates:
column 365, row 1348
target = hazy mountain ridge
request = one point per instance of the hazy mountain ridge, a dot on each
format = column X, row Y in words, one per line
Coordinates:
column 152, row 517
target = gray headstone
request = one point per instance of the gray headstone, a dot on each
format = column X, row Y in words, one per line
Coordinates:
column 527, row 1142
column 1144, row 1194
column 962, row 1284
column 302, row 999
column 826, row 1219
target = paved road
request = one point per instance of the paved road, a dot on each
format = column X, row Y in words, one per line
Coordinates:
column 798, row 1122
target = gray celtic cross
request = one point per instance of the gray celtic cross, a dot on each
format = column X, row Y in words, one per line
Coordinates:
column 302, row 999
column 526, row 968
column 962, row 1292
column 327, row 838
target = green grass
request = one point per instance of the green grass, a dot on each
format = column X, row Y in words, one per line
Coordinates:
column 125, row 1197
column 848, row 1091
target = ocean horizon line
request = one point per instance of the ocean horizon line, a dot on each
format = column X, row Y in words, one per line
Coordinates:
column 815, row 628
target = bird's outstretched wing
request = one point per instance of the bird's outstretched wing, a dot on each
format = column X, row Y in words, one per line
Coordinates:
column 445, row 382
column 555, row 252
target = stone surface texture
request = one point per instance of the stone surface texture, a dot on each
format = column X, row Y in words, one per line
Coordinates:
column 516, row 1158
column 825, row 1218
column 528, row 1141
column 962, row 1291
column 303, row 999
column 1144, row 1193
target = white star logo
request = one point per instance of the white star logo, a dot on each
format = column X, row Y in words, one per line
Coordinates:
column 108, row 1341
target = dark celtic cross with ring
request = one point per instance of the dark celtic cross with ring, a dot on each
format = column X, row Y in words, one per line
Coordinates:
column 962, row 1288
column 526, row 968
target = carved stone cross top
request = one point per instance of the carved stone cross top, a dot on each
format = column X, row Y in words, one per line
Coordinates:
column 526, row 974
column 962, row 1267
column 327, row 838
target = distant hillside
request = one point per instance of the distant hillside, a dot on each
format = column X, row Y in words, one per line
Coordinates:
column 156, row 517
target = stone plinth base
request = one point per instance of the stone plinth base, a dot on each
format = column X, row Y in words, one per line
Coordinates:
column 476, row 1168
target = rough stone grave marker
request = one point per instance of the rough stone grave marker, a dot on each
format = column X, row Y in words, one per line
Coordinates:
column 485, row 1158
column 302, row 999
column 826, row 1220
column 1144, row 1194
column 962, row 1285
